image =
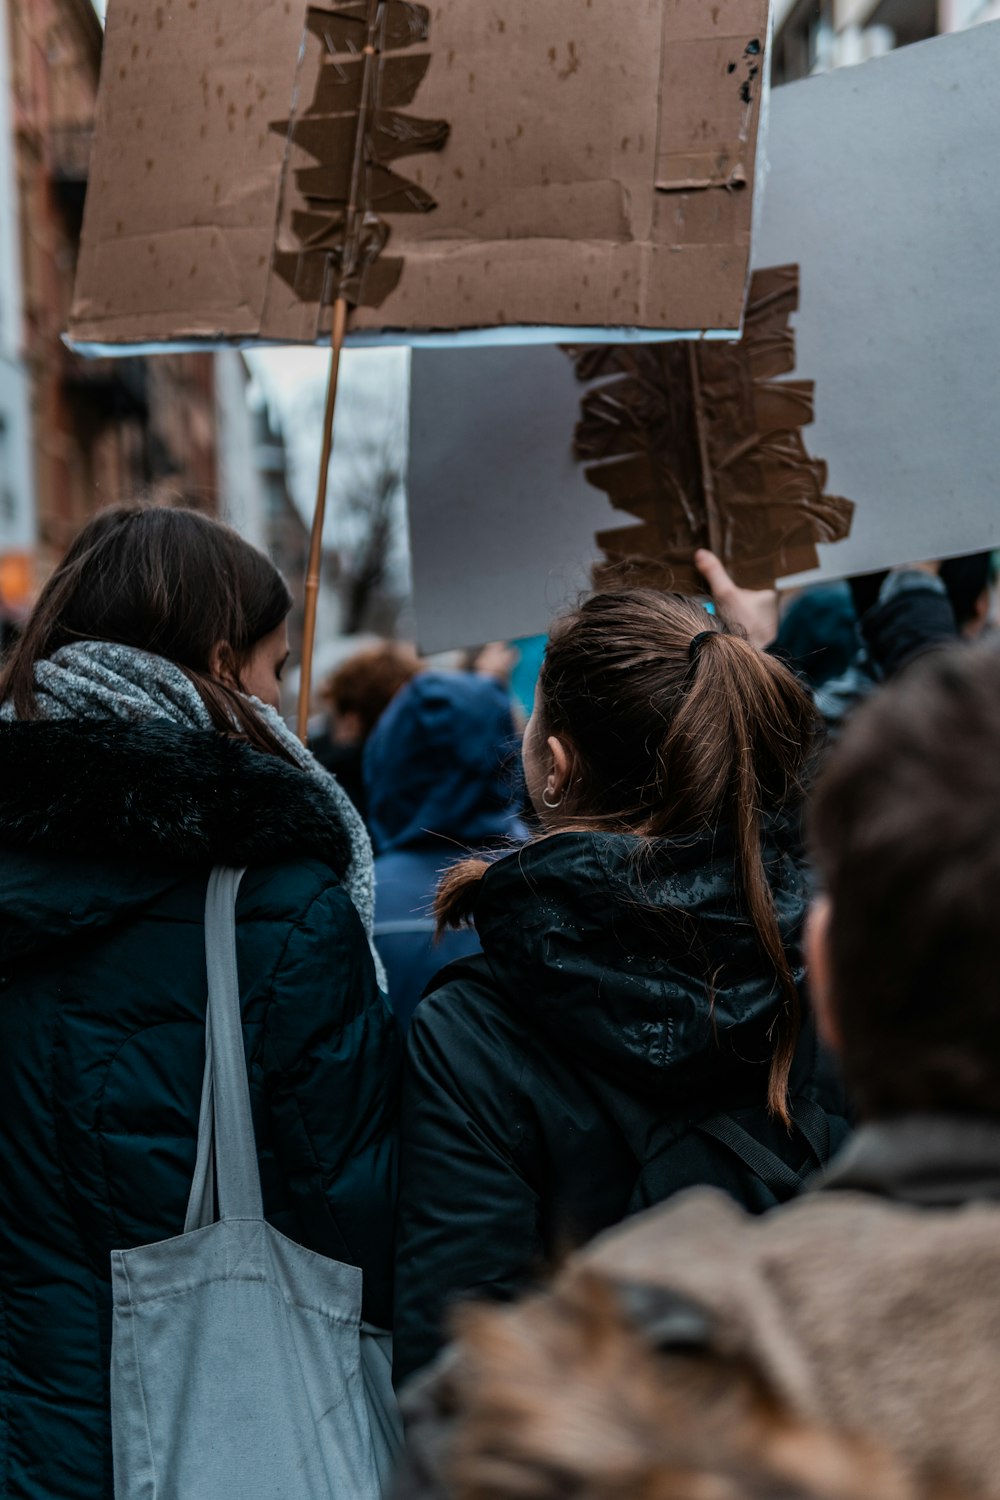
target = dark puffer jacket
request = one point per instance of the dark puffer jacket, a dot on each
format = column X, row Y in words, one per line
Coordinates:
column 107, row 835
column 578, row 1069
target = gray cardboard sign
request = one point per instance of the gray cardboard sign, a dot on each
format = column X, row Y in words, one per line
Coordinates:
column 502, row 523
column 883, row 187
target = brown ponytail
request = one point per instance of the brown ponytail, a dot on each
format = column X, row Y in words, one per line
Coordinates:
column 677, row 725
column 737, row 742
column 455, row 897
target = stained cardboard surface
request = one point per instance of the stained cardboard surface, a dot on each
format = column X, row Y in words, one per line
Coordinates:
column 882, row 187
column 598, row 169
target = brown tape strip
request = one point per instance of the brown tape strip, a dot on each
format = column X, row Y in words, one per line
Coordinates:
column 338, row 90
column 353, row 129
column 344, row 28
column 703, row 446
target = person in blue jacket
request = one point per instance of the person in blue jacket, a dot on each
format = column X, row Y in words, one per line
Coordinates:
column 140, row 745
column 441, row 774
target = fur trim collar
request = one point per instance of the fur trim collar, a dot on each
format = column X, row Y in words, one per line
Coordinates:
column 157, row 791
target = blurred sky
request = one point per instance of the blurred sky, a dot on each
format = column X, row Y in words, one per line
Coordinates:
column 370, row 441
column 370, row 428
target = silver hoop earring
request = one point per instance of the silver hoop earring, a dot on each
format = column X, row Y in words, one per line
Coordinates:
column 550, row 805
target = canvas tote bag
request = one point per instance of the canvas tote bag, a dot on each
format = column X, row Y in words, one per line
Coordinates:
column 240, row 1367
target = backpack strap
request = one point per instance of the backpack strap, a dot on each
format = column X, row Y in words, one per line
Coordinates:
column 776, row 1175
column 814, row 1124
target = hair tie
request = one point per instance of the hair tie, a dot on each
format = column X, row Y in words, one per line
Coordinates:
column 696, row 643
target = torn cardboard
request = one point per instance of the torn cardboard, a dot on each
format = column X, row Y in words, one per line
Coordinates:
column 574, row 164
column 703, row 444
column 513, row 489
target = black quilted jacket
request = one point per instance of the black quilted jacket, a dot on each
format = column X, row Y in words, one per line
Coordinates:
column 107, row 835
column 574, row 1072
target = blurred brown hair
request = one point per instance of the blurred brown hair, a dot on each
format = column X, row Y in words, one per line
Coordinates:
column 168, row 581
column 671, row 738
column 905, row 832
column 564, row 1395
column 367, row 682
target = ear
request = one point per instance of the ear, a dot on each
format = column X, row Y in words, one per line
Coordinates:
column 817, row 946
column 561, row 768
column 974, row 628
column 220, row 663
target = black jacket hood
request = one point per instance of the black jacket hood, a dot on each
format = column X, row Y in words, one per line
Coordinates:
column 629, row 954
column 99, row 818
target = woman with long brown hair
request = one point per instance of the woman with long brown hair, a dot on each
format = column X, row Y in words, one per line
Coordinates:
column 140, row 745
column 636, row 1023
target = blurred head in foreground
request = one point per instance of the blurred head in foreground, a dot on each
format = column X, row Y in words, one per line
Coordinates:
column 612, row 1391
column 905, row 831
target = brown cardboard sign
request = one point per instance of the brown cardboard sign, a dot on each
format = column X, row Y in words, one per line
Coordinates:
column 576, row 164
column 702, row 443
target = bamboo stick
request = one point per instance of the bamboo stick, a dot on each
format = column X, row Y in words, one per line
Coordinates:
column 716, row 531
column 341, row 309
column 314, row 569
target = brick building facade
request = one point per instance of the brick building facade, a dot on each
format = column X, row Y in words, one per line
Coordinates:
column 104, row 429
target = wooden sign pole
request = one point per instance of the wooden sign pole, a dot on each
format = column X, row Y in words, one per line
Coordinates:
column 341, row 309
column 313, row 573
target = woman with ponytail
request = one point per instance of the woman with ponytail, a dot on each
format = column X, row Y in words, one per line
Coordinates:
column 140, row 745
column 636, row 1023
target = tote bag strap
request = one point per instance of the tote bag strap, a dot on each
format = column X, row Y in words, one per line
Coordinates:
column 226, row 1162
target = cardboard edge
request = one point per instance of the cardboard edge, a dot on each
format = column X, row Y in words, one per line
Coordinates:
column 469, row 338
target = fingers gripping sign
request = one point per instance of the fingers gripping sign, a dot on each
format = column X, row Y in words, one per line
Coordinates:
column 756, row 610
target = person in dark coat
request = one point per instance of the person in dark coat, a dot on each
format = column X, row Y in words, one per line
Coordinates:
column 818, row 634
column 901, row 616
column 441, row 780
column 139, row 746
column 356, row 695
column 636, row 1023
column 868, row 1308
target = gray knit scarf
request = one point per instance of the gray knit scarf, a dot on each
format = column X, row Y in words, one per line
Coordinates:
column 100, row 680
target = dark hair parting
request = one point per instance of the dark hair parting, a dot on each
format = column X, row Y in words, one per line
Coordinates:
column 168, row 581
